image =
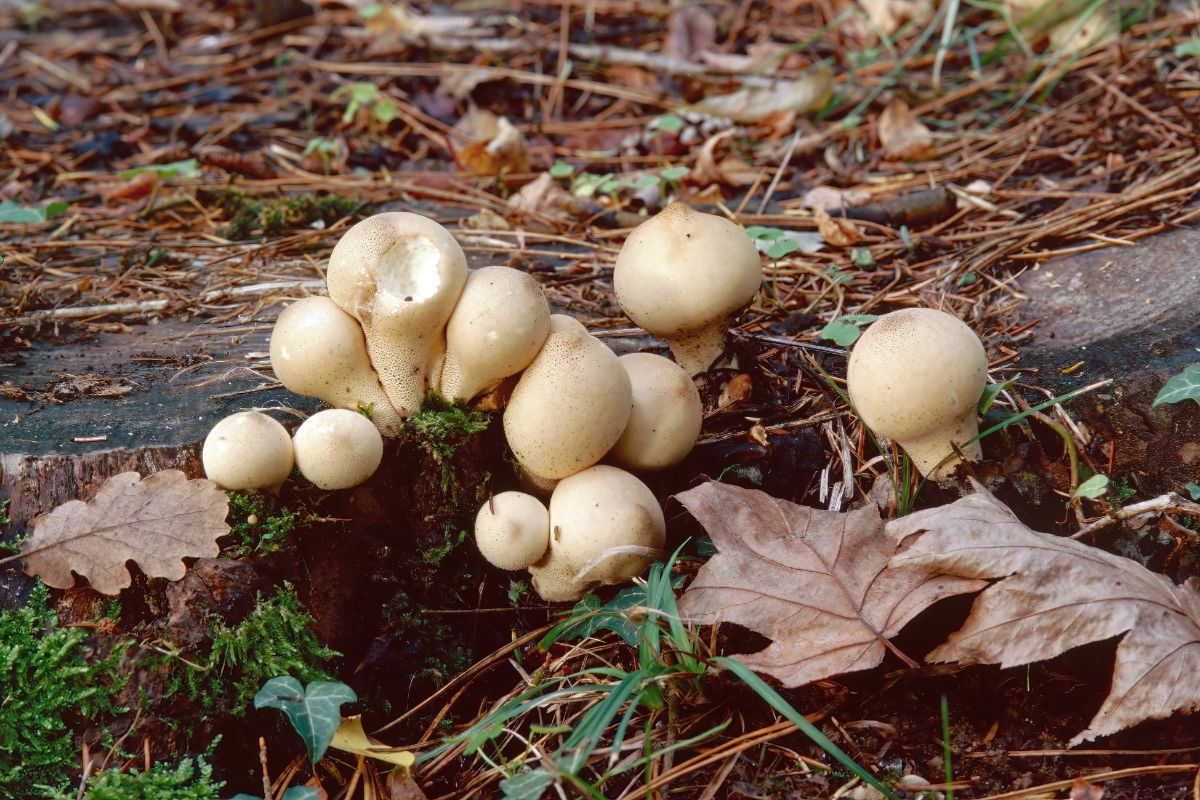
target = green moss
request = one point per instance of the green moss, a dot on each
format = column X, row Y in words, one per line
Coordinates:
column 47, row 684
column 276, row 638
column 191, row 780
column 257, row 530
column 441, row 429
column 253, row 217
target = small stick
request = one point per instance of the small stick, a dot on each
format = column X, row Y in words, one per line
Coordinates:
column 262, row 759
column 1165, row 504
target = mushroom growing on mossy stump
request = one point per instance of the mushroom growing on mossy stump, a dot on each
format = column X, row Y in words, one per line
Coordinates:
column 248, row 450
column 915, row 377
column 683, row 275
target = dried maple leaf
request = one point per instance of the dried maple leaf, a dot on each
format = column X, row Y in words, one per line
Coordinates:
column 156, row 522
column 1057, row 594
column 818, row 583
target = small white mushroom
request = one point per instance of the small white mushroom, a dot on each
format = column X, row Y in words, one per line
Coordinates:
column 570, row 405
column 683, row 275
column 605, row 528
column 247, row 450
column 318, row 350
column 915, row 376
column 667, row 414
column 499, row 325
column 399, row 275
column 337, row 449
column 512, row 530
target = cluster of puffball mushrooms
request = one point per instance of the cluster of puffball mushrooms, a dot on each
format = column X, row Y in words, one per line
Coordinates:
column 404, row 318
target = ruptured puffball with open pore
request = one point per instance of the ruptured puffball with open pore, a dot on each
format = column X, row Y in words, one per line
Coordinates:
column 683, row 275
column 338, row 449
column 247, row 450
column 915, row 377
column 399, row 275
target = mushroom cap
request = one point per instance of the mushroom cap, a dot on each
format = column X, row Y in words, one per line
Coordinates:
column 512, row 530
column 682, row 271
column 318, row 350
column 915, row 376
column 337, row 448
column 500, row 323
column 600, row 508
column 399, row 275
column 247, row 450
column 666, row 417
column 570, row 405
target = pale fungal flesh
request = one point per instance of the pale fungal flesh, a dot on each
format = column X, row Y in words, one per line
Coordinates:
column 915, row 377
column 247, row 450
column 606, row 527
column 666, row 417
column 318, row 350
column 498, row 326
column 512, row 530
column 570, row 405
column 399, row 275
column 337, row 449
column 683, row 275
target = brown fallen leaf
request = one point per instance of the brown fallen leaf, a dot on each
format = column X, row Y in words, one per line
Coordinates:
column 543, row 196
column 818, row 583
column 837, row 231
column 902, row 135
column 803, row 95
column 156, row 522
column 1057, row 594
column 828, row 197
column 495, row 144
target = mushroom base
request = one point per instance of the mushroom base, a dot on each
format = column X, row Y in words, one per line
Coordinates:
column 934, row 455
column 697, row 352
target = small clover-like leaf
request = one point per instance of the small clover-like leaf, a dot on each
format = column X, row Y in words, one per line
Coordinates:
column 1093, row 487
column 846, row 330
column 1184, row 386
column 314, row 711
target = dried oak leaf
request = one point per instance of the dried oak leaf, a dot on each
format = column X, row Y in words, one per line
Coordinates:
column 156, row 522
column 818, row 583
column 1056, row 594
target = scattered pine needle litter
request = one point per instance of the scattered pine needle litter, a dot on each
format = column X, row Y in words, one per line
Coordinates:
column 168, row 154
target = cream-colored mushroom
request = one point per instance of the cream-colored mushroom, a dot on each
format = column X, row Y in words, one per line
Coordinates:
column 570, row 405
column 399, row 275
column 499, row 325
column 666, row 417
column 247, row 450
column 683, row 275
column 512, row 530
column 915, row 376
column 318, row 350
column 337, row 448
column 605, row 528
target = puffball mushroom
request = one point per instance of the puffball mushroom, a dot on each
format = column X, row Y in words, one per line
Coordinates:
column 915, row 376
column 512, row 530
column 337, row 448
column 319, row 351
column 247, row 450
column 666, row 417
column 605, row 527
column 399, row 275
column 570, row 405
column 683, row 275
column 500, row 323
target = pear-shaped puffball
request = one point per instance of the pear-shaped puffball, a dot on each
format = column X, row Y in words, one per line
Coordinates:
column 499, row 325
column 512, row 530
column 318, row 350
column 337, row 449
column 605, row 527
column 666, row 417
column 915, row 376
column 683, row 275
column 570, row 405
column 399, row 275
column 247, row 450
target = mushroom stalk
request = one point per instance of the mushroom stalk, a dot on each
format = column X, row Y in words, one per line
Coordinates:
column 399, row 275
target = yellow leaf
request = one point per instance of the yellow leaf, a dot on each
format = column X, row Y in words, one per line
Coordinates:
column 351, row 738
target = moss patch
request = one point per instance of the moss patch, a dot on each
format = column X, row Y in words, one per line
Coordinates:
column 259, row 217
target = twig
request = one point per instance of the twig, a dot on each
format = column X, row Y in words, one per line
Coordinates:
column 1165, row 504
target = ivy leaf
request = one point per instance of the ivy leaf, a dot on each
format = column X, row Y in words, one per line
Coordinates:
column 294, row 793
column 315, row 711
column 1093, row 487
column 1184, row 386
